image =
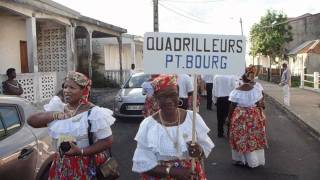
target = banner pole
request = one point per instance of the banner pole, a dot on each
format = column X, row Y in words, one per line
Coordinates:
column 194, row 107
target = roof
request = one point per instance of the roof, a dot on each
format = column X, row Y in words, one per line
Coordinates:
column 312, row 46
column 102, row 24
column 299, row 17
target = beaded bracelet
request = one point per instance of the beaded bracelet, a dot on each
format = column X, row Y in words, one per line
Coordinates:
column 58, row 115
column 55, row 115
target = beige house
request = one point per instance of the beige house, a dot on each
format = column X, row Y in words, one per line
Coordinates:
column 40, row 39
column 305, row 58
column 107, row 50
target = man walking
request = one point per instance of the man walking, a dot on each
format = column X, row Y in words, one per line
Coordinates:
column 132, row 70
column 222, row 86
column 185, row 85
column 209, row 84
column 285, row 83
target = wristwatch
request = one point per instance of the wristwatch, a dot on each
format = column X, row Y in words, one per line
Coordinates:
column 168, row 170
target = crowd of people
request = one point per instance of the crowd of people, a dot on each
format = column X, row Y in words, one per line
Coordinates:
column 164, row 139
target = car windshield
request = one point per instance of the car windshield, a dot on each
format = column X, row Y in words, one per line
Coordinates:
column 136, row 80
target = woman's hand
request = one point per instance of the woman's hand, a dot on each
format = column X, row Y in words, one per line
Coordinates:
column 74, row 150
column 181, row 173
column 195, row 150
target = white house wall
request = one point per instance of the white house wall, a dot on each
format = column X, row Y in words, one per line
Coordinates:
column 139, row 58
column 11, row 34
column 112, row 57
column 313, row 63
column 296, row 64
column 262, row 61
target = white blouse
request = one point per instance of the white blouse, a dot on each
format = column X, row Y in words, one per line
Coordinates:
column 154, row 145
column 246, row 98
column 77, row 126
column 258, row 85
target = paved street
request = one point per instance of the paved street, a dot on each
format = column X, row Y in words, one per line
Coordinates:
column 293, row 154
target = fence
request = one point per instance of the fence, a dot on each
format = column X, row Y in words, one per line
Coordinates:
column 114, row 75
column 264, row 74
column 37, row 87
column 310, row 81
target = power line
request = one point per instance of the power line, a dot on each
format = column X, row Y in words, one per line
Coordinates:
column 183, row 15
column 186, row 13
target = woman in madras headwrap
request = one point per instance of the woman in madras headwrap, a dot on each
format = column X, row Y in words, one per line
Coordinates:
column 163, row 139
column 69, row 123
column 247, row 132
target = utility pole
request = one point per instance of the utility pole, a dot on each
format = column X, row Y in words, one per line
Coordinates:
column 241, row 26
column 155, row 16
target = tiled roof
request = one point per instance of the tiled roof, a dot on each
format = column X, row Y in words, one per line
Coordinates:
column 312, row 46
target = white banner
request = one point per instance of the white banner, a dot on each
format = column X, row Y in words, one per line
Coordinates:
column 193, row 53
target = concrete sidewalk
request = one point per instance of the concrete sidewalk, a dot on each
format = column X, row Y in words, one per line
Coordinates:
column 304, row 105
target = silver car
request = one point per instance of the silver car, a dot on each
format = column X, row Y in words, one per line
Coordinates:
column 129, row 101
column 25, row 152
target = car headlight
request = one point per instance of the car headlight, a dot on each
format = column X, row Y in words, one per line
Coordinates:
column 118, row 98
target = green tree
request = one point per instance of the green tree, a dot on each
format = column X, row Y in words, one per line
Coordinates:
column 269, row 36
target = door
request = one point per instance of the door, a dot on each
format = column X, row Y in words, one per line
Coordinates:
column 24, row 57
column 18, row 154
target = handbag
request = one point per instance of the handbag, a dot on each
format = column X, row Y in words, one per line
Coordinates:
column 109, row 170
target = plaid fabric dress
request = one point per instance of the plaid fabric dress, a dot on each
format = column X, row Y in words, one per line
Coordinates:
column 74, row 167
column 247, row 131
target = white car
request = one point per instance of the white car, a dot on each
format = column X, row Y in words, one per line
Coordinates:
column 129, row 100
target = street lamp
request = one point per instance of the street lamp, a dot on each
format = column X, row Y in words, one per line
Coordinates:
column 240, row 24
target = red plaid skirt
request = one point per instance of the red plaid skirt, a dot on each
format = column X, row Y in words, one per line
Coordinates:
column 73, row 167
column 247, row 130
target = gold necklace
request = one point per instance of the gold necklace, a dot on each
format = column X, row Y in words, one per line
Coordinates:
column 73, row 112
column 175, row 143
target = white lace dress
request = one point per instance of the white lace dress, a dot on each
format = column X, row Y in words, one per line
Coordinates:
column 77, row 127
column 154, row 145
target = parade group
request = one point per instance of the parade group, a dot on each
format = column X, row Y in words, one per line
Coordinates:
column 164, row 149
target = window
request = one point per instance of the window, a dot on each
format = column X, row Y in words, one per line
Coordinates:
column 136, row 81
column 10, row 121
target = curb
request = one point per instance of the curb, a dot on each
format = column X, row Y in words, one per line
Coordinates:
column 298, row 120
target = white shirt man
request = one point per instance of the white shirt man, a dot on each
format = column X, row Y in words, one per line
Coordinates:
column 286, row 82
column 132, row 69
column 209, row 84
column 222, row 86
column 147, row 88
column 185, row 84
